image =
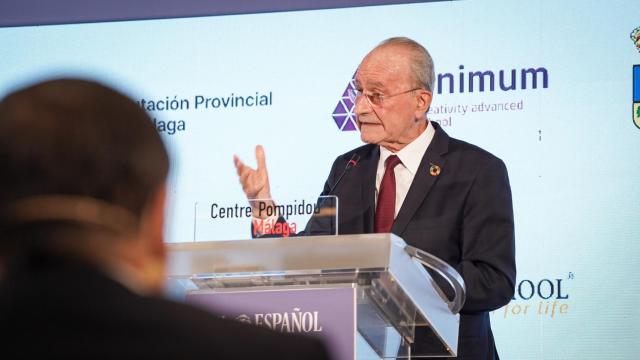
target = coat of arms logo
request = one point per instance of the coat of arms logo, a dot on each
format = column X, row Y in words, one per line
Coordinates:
column 635, row 37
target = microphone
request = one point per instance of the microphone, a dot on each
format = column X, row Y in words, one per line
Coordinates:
column 313, row 223
column 353, row 162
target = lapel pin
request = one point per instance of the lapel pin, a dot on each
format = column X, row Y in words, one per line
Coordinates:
column 434, row 170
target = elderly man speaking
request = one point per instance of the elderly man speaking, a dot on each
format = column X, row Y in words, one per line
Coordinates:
column 442, row 195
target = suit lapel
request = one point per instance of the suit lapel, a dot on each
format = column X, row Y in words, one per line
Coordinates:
column 423, row 181
column 369, row 167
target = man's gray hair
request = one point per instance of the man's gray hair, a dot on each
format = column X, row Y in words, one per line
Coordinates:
column 421, row 61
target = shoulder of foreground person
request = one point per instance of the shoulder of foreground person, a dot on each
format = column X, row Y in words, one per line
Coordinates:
column 74, row 311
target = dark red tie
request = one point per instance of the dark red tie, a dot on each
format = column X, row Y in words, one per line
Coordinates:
column 386, row 208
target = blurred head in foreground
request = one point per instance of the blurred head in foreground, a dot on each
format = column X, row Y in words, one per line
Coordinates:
column 83, row 177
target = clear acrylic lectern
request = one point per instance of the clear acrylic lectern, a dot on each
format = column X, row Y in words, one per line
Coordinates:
column 392, row 302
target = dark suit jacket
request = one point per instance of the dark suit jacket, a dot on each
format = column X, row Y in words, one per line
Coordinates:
column 62, row 309
column 464, row 216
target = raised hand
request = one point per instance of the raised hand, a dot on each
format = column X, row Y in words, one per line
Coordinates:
column 255, row 182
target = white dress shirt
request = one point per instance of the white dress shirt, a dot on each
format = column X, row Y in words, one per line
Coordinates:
column 411, row 156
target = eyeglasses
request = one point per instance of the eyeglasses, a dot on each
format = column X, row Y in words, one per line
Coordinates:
column 374, row 99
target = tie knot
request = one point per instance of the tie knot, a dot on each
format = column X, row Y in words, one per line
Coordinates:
column 392, row 161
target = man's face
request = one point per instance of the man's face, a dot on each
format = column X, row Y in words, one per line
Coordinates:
column 399, row 119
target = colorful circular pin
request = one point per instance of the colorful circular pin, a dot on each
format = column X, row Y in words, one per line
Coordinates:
column 434, row 170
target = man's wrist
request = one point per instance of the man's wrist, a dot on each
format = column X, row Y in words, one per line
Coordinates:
column 262, row 209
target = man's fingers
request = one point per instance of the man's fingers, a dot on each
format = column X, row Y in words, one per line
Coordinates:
column 240, row 166
column 252, row 180
column 262, row 164
column 244, row 175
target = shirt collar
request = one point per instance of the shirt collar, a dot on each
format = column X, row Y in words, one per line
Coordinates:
column 411, row 155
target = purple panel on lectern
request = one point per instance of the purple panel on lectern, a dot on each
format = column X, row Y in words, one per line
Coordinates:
column 328, row 313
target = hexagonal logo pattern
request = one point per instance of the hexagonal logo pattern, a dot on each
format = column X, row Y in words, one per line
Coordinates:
column 343, row 114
